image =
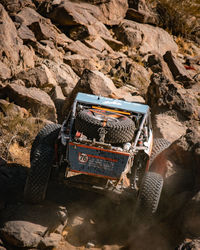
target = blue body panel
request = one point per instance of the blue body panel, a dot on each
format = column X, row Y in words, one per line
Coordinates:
column 96, row 161
column 112, row 103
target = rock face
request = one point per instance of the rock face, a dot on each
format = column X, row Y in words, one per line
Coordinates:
column 145, row 37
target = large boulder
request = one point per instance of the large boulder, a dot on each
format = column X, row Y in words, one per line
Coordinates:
column 141, row 11
column 33, row 226
column 166, row 94
column 146, row 37
column 42, row 28
column 78, row 63
column 34, row 99
column 65, row 77
column 178, row 70
column 71, row 13
column 80, row 48
column 14, row 6
column 95, row 82
column 39, row 77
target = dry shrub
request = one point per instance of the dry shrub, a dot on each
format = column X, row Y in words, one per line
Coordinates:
column 179, row 17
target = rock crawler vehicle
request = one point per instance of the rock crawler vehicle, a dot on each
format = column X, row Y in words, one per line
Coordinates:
column 107, row 144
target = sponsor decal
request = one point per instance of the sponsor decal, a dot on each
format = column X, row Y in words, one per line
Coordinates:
column 83, row 158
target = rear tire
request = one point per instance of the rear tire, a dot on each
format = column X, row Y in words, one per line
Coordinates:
column 37, row 181
column 47, row 135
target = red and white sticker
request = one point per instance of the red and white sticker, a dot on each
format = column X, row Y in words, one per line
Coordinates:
column 83, row 158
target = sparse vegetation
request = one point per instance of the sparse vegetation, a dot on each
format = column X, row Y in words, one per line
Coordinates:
column 16, row 130
column 179, row 17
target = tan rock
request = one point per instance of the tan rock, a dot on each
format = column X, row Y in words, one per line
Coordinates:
column 5, row 71
column 78, row 63
column 72, row 13
column 168, row 127
column 146, row 37
column 39, row 77
column 98, row 44
column 80, row 48
column 10, row 44
column 65, row 77
column 34, row 99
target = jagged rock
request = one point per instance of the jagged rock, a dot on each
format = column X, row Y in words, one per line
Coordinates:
column 158, row 65
column 166, row 126
column 95, row 82
column 141, row 16
column 9, row 40
column 5, row 72
column 27, row 16
column 64, row 75
column 78, row 63
column 41, row 27
column 39, row 77
column 27, row 57
column 139, row 77
column 32, row 226
column 141, row 11
column 45, row 51
column 178, row 70
column 92, row 82
column 163, row 93
column 34, row 99
column 98, row 44
column 14, row 6
column 186, row 151
column 80, row 48
column 113, row 43
column 70, row 13
column 57, row 94
column 26, row 34
column 147, row 38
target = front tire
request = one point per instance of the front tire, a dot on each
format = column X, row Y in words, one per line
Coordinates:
column 37, row 181
column 149, row 195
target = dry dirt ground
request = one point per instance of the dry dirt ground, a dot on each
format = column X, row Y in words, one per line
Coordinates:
column 95, row 221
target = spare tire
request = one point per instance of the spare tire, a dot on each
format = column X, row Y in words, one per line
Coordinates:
column 119, row 128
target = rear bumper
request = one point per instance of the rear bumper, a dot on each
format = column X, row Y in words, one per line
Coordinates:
column 96, row 161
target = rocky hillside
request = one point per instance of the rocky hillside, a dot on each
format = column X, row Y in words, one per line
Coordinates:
column 125, row 49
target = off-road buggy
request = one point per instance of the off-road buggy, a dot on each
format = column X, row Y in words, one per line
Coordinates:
column 107, row 144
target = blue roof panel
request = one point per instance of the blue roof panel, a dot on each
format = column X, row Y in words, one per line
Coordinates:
column 112, row 103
